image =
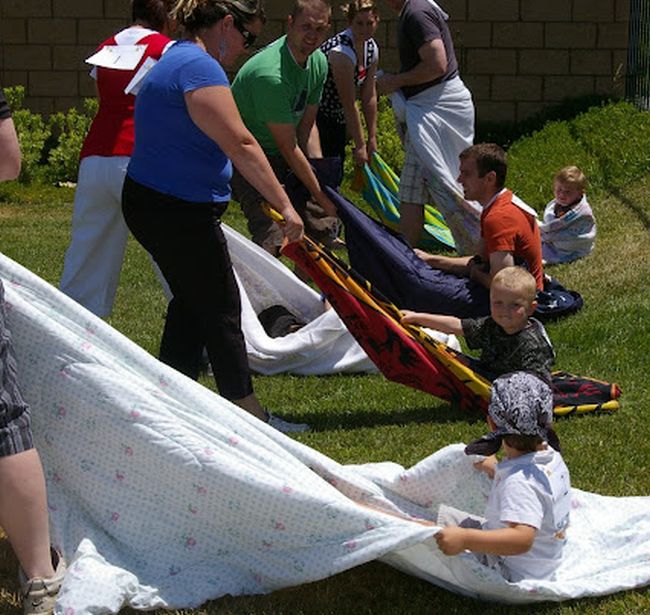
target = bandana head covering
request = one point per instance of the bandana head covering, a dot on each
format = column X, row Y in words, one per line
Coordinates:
column 520, row 404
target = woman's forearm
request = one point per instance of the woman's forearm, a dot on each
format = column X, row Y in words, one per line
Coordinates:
column 250, row 161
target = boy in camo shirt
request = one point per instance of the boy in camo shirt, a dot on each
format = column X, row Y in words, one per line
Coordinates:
column 509, row 339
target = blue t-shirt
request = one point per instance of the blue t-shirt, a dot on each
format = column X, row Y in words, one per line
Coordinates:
column 171, row 154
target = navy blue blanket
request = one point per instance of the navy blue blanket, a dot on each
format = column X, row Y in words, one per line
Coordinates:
column 384, row 259
column 390, row 265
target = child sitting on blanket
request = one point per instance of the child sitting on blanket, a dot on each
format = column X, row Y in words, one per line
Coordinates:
column 527, row 513
column 509, row 339
column 569, row 228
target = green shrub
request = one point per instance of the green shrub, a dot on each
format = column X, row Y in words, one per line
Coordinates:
column 50, row 150
column 70, row 129
column 534, row 160
column 32, row 132
column 389, row 144
column 609, row 143
column 616, row 137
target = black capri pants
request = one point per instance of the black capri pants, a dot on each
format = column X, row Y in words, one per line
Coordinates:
column 187, row 242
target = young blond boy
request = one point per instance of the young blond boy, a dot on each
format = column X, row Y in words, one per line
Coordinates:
column 527, row 513
column 568, row 229
column 509, row 339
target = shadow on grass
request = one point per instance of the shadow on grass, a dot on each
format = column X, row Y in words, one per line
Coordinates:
column 376, row 588
column 609, row 183
column 633, row 206
column 506, row 133
column 442, row 414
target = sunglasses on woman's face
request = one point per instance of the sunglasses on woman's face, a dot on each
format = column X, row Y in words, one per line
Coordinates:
column 249, row 37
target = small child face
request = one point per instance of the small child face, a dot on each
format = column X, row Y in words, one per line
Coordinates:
column 510, row 308
column 566, row 194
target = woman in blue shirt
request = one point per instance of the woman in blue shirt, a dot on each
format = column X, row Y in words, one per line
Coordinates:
column 188, row 133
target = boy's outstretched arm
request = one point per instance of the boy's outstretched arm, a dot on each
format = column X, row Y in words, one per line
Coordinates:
column 513, row 540
column 446, row 324
column 488, row 465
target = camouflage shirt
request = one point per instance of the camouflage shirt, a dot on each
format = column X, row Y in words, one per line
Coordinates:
column 528, row 350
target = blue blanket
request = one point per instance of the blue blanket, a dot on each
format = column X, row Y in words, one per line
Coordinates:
column 389, row 263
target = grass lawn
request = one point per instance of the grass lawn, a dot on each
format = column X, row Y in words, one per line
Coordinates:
column 360, row 419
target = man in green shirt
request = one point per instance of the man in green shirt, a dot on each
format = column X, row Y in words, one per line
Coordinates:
column 278, row 91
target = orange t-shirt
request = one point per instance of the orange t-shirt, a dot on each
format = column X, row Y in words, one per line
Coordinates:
column 508, row 228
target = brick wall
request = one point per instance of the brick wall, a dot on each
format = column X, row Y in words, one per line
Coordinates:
column 517, row 56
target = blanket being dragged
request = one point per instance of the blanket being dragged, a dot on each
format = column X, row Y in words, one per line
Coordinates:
column 379, row 186
column 385, row 259
column 322, row 346
column 163, row 495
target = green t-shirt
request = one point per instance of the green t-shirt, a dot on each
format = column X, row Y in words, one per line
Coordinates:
column 271, row 88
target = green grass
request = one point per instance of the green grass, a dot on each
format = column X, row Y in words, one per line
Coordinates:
column 359, row 419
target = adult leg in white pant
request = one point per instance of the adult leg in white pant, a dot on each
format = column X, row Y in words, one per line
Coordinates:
column 93, row 261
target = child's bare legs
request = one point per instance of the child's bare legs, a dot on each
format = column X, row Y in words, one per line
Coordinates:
column 23, row 512
column 411, row 222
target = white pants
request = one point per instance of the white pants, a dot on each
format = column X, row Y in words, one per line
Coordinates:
column 93, row 261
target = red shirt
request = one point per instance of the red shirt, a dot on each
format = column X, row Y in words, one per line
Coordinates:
column 111, row 133
column 508, row 228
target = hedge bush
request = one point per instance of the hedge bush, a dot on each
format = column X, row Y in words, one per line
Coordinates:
column 50, row 150
column 32, row 132
column 609, row 143
column 71, row 128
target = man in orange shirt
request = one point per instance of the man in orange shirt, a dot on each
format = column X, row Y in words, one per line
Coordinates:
column 509, row 231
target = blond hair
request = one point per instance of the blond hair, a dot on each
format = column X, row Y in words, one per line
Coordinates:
column 195, row 15
column 571, row 176
column 352, row 9
column 518, row 280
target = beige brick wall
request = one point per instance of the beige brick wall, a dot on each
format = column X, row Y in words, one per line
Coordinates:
column 528, row 54
column 517, row 56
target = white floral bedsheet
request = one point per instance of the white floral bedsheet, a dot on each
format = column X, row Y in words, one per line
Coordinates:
column 162, row 494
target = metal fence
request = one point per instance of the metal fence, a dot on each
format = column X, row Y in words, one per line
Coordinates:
column 637, row 82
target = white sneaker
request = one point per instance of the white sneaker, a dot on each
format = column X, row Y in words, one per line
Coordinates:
column 39, row 595
column 285, row 426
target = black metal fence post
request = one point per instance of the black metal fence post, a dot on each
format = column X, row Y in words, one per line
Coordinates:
column 637, row 81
